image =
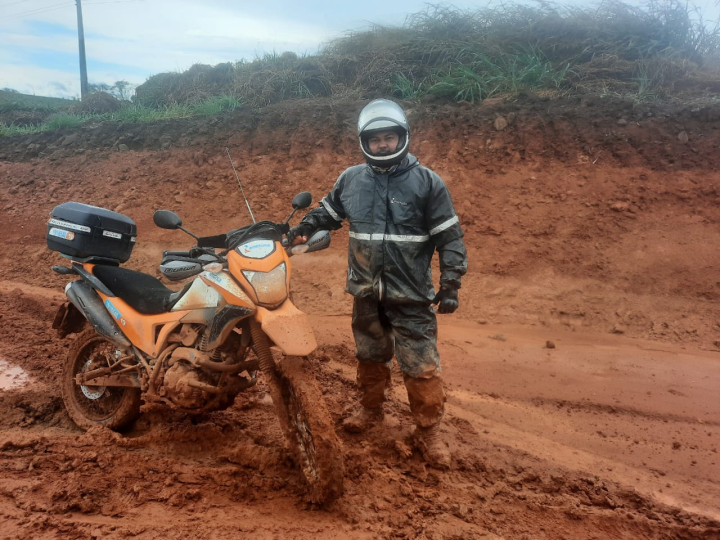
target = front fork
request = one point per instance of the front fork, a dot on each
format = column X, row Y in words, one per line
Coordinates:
column 261, row 346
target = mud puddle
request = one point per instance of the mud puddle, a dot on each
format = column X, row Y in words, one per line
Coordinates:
column 12, row 376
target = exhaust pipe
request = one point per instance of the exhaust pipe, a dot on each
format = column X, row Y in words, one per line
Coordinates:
column 90, row 304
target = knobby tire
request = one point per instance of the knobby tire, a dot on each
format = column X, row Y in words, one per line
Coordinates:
column 117, row 408
column 310, row 431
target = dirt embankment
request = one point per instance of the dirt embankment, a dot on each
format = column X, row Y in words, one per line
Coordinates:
column 587, row 213
column 588, row 222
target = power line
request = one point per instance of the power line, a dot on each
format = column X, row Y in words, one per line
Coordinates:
column 37, row 11
column 13, row 3
column 112, row 2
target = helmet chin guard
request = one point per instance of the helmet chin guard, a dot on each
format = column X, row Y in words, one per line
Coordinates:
column 383, row 115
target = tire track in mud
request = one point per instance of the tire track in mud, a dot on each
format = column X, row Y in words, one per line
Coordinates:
column 619, row 410
column 646, row 482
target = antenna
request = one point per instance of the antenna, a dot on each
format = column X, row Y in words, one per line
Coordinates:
column 239, row 184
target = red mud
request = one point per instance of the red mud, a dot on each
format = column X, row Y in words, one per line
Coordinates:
column 598, row 236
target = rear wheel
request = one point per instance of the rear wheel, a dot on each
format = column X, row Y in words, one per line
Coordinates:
column 114, row 407
column 310, row 431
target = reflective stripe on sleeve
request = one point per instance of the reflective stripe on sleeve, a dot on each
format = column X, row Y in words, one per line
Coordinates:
column 389, row 237
column 444, row 225
column 332, row 212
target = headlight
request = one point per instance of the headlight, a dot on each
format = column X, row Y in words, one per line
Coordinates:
column 270, row 287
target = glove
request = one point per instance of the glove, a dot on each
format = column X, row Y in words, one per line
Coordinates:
column 447, row 300
column 304, row 229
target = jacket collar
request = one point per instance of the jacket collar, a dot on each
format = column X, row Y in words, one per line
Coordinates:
column 409, row 162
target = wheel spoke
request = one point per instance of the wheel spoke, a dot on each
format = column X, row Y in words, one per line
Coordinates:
column 96, row 402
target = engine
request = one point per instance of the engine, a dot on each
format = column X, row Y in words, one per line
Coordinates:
column 178, row 387
column 198, row 380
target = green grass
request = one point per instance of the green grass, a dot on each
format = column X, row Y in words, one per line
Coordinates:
column 485, row 77
column 139, row 114
column 129, row 113
column 464, row 84
column 406, row 88
column 216, row 105
column 12, row 131
column 66, row 120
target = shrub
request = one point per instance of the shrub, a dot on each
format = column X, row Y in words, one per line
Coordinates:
column 99, row 103
column 467, row 54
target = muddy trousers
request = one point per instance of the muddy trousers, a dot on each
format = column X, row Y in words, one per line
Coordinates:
column 409, row 332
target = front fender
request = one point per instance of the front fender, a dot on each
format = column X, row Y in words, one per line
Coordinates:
column 289, row 328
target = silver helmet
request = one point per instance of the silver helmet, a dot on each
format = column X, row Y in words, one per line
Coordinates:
column 383, row 115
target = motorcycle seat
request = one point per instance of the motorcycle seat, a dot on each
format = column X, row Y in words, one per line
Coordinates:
column 142, row 292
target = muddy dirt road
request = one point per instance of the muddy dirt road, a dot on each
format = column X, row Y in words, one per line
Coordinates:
column 598, row 437
column 596, row 236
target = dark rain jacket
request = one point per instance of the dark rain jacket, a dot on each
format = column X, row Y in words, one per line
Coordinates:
column 397, row 221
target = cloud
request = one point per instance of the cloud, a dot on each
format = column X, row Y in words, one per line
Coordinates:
column 143, row 38
column 131, row 40
column 40, row 81
column 60, row 87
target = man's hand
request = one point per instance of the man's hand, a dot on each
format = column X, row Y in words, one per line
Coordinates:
column 447, row 300
column 299, row 234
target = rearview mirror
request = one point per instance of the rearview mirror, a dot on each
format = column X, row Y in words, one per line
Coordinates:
column 165, row 219
column 302, row 200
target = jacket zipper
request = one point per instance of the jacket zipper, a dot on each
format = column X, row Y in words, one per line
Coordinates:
column 385, row 232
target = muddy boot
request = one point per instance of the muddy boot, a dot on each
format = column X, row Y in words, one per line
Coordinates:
column 427, row 403
column 427, row 398
column 362, row 419
column 373, row 380
column 432, row 447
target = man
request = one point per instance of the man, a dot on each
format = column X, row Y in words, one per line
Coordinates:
column 399, row 213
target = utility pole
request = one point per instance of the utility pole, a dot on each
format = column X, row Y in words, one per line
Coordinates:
column 81, row 44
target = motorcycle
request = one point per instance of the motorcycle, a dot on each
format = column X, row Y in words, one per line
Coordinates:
column 196, row 349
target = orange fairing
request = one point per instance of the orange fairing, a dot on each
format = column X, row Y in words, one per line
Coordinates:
column 289, row 328
column 237, row 263
column 141, row 329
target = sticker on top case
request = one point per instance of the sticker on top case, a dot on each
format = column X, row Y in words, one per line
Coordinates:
column 65, row 235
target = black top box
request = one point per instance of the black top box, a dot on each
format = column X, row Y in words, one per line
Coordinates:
column 83, row 232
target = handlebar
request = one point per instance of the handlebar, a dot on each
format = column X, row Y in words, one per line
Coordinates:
column 176, row 254
column 179, row 265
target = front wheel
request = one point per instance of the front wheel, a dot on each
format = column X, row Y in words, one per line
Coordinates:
column 310, row 431
column 114, row 407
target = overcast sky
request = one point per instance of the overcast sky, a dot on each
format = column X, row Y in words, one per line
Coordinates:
column 133, row 39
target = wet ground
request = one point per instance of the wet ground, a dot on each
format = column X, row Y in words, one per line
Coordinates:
column 599, row 436
column 583, row 365
column 12, row 376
